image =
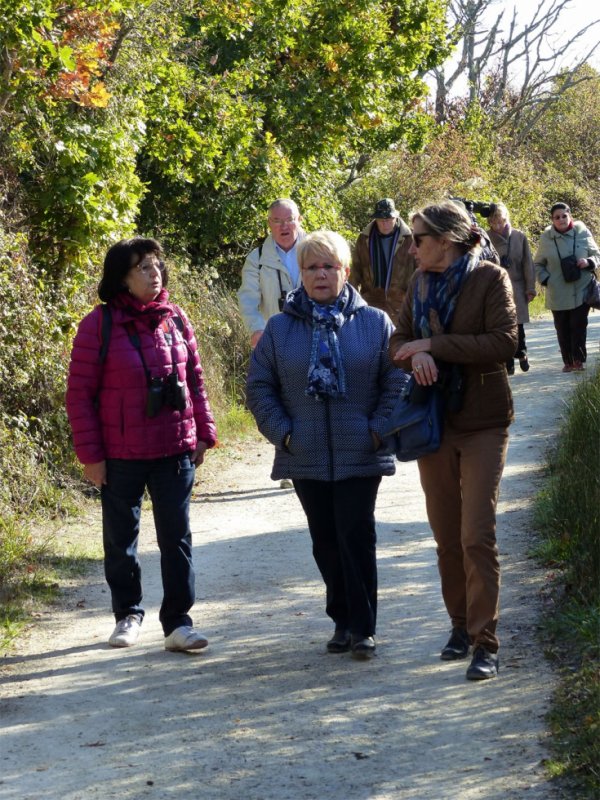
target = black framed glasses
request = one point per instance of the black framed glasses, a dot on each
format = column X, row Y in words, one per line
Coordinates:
column 418, row 236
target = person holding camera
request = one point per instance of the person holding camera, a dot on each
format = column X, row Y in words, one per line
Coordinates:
column 459, row 313
column 140, row 419
column 515, row 256
column 566, row 258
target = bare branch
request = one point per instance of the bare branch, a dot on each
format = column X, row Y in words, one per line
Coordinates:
column 530, row 54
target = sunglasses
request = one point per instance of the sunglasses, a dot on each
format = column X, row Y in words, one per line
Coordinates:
column 418, row 236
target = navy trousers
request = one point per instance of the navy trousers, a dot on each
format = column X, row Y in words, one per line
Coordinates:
column 341, row 521
column 169, row 482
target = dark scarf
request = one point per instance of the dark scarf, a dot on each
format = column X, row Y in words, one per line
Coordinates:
column 436, row 295
column 326, row 376
column 382, row 267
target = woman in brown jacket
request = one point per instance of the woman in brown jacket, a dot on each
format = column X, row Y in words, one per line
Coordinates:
column 459, row 318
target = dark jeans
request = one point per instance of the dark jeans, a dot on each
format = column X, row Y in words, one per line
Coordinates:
column 341, row 520
column 521, row 350
column 571, row 332
column 169, row 481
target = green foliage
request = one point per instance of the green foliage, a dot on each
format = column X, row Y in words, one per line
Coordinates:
column 568, row 514
column 259, row 100
column 68, row 158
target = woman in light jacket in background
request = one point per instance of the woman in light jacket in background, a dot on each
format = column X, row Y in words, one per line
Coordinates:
column 567, row 238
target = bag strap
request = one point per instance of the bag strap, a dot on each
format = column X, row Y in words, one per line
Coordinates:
column 574, row 241
column 105, row 332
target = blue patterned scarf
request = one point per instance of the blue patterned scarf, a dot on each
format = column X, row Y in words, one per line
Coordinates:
column 436, row 295
column 326, row 370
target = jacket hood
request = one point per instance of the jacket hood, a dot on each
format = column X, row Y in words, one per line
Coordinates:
column 297, row 303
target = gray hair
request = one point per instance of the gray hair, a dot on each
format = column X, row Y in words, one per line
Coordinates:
column 286, row 203
column 324, row 244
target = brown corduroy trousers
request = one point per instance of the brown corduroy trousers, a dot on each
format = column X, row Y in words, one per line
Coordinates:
column 461, row 482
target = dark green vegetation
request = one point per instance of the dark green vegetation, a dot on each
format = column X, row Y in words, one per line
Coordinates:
column 182, row 120
column 568, row 517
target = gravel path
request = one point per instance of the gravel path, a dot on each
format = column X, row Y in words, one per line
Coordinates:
column 265, row 713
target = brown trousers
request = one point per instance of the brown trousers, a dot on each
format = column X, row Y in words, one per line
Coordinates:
column 461, row 482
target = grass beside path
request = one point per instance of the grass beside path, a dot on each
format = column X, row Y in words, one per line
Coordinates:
column 568, row 518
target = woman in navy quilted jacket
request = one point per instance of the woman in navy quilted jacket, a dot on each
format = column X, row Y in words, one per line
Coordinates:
column 141, row 419
column 321, row 386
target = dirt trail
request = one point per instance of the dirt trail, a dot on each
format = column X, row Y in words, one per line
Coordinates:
column 265, row 713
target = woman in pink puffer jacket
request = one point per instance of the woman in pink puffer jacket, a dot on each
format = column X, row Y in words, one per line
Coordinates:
column 141, row 419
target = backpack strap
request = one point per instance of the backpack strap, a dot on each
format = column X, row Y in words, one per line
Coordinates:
column 189, row 367
column 105, row 332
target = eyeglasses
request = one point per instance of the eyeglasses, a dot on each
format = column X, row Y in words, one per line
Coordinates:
column 280, row 222
column 418, row 236
column 328, row 268
column 146, row 267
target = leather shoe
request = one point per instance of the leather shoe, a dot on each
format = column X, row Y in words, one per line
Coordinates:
column 524, row 364
column 363, row 647
column 483, row 666
column 457, row 645
column 339, row 642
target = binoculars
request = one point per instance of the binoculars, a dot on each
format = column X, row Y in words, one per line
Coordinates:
column 168, row 391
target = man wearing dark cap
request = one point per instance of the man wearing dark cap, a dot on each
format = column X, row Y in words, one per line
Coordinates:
column 381, row 265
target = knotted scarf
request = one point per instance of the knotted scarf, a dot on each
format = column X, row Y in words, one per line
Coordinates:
column 436, row 295
column 326, row 370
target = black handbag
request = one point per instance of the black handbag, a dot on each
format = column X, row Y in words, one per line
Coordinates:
column 591, row 295
column 568, row 264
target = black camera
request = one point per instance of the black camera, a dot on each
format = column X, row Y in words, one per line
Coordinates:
column 477, row 207
column 155, row 399
column 169, row 391
column 175, row 392
column 505, row 261
column 281, row 300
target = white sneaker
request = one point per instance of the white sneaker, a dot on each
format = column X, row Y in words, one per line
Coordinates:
column 185, row 638
column 285, row 483
column 126, row 632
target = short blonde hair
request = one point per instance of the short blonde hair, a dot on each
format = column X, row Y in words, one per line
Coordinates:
column 499, row 210
column 325, row 245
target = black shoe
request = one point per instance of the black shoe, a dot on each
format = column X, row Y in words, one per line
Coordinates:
column 483, row 666
column 457, row 646
column 339, row 642
column 524, row 364
column 363, row 648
